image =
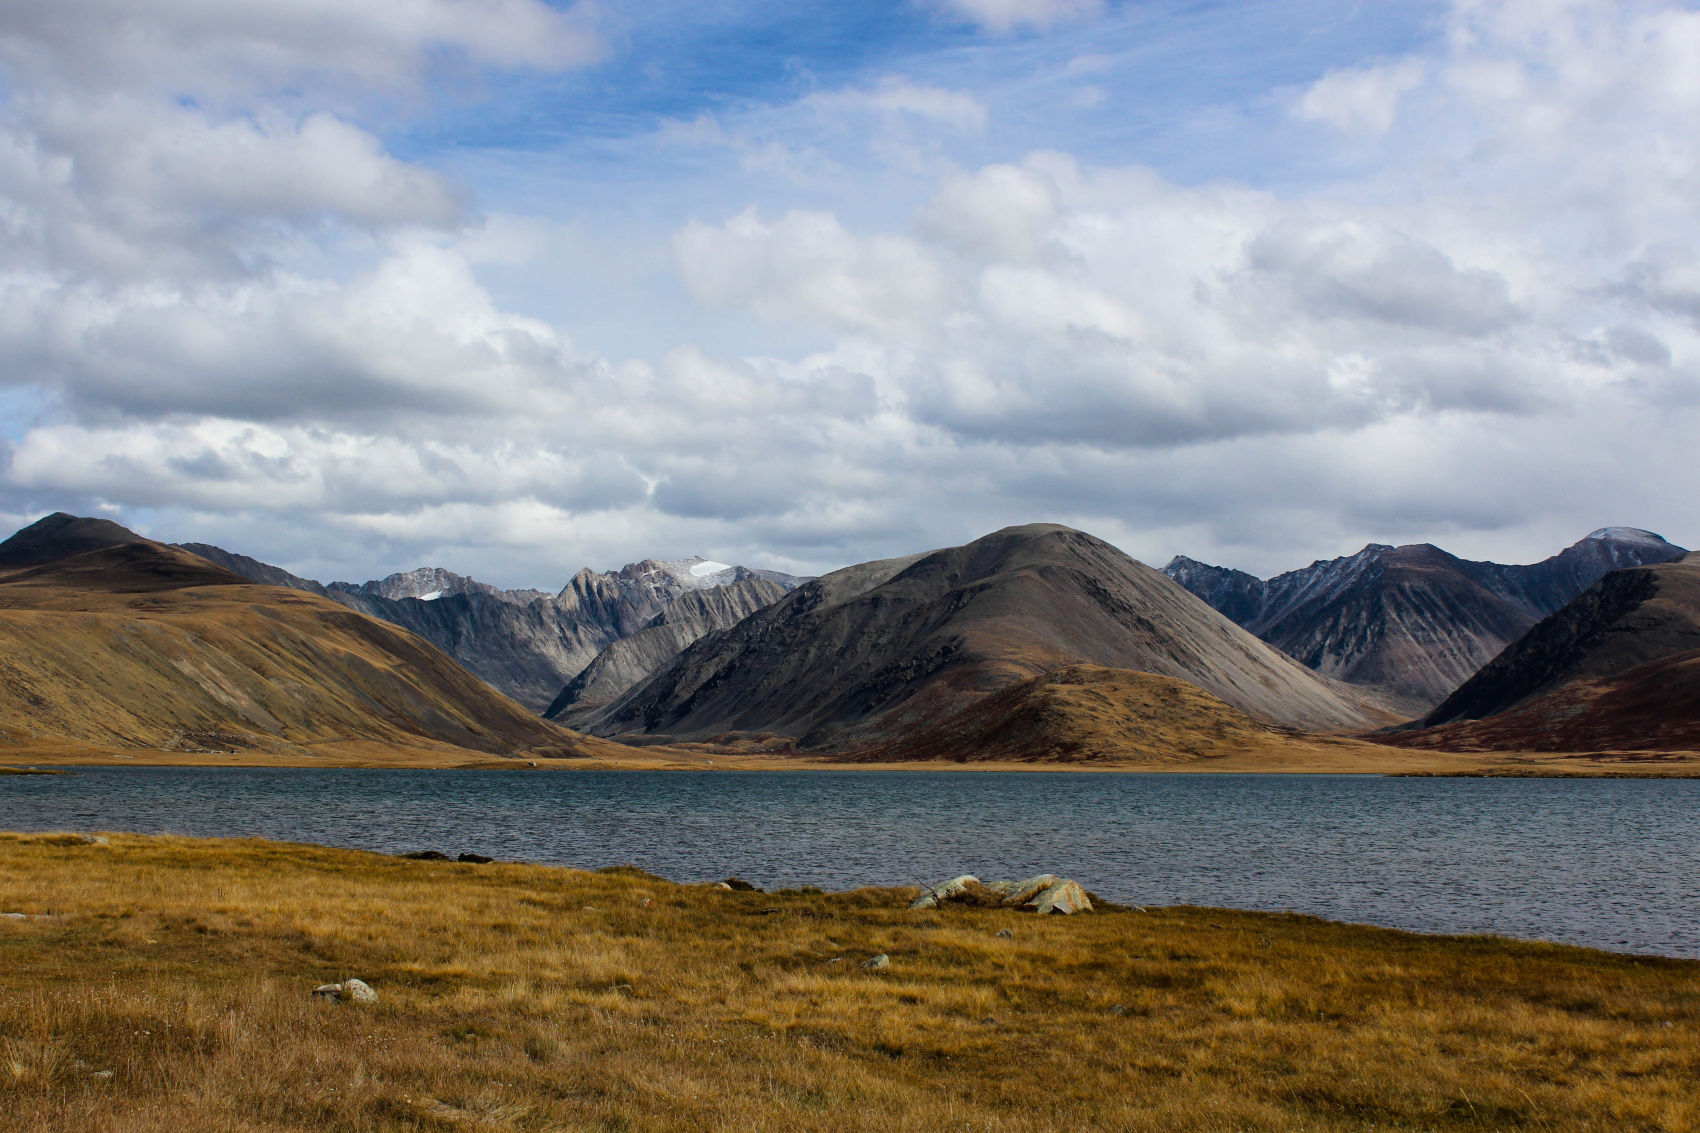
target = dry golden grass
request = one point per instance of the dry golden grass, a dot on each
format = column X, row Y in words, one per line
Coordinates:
column 529, row 998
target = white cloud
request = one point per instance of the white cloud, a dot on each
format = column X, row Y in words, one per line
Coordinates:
column 220, row 46
column 807, row 266
column 951, row 108
column 1364, row 99
column 1001, row 17
column 246, row 314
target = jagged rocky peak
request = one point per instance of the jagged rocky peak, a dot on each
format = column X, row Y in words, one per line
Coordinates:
column 431, row 583
column 697, row 573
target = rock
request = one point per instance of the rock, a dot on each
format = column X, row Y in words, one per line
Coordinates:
column 348, row 991
column 1021, row 892
column 721, row 885
column 358, row 991
column 93, row 840
column 740, row 885
column 876, row 963
column 964, row 890
column 943, row 891
column 1063, row 897
column 1004, row 934
column 476, row 859
column 428, row 856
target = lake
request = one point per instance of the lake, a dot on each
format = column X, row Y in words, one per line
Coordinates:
column 1610, row 863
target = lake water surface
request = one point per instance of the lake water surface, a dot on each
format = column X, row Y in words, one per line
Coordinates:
column 1610, row 863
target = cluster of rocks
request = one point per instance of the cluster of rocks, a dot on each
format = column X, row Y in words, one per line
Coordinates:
column 1046, row 893
column 439, row 856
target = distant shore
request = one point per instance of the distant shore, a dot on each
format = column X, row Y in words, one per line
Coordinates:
column 1326, row 756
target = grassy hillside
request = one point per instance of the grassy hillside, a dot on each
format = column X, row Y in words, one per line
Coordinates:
column 143, row 646
column 168, row 992
column 1091, row 714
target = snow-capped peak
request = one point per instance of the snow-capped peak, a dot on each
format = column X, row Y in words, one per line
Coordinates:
column 1628, row 535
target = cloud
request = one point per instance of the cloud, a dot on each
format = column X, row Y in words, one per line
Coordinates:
column 1363, row 99
column 242, row 306
column 951, row 108
column 808, row 266
column 219, row 46
column 1000, row 17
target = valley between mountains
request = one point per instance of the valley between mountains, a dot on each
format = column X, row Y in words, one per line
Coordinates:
column 1037, row 646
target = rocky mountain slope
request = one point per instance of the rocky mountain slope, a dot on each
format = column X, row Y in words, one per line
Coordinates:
column 110, row 639
column 1618, row 669
column 1628, row 620
column 1413, row 622
column 526, row 643
column 869, row 652
column 633, row 658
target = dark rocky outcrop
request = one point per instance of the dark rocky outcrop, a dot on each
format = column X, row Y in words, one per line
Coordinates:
column 1413, row 622
column 877, row 649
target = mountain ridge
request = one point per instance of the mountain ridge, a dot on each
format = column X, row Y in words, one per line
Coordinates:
column 1412, row 621
column 893, row 644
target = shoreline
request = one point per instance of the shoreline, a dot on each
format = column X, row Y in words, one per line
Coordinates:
column 1327, row 757
column 548, row 997
column 208, row 843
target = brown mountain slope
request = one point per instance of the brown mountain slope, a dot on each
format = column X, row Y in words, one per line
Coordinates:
column 1627, row 619
column 1614, row 669
column 1090, row 714
column 135, row 644
column 1652, row 707
column 871, row 652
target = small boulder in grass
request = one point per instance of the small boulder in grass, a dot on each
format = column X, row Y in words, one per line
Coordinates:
column 876, row 963
column 348, row 991
column 476, row 859
column 1046, row 893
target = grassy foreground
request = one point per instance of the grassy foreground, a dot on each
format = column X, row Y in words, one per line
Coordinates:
column 531, row 998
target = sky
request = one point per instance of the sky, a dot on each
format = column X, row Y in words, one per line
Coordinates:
column 514, row 287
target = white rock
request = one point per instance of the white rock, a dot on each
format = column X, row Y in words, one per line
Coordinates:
column 876, row 963
column 943, row 891
column 1063, row 897
column 358, row 991
column 1021, row 892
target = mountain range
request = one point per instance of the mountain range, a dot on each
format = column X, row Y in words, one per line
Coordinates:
column 1618, row 668
column 1037, row 642
column 876, row 650
column 1411, row 622
column 530, row 643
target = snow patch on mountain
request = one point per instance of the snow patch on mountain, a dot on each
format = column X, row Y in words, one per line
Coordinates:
column 1629, row 535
